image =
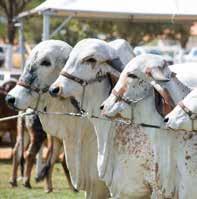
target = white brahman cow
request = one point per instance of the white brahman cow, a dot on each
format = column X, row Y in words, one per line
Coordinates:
column 41, row 69
column 134, row 93
column 184, row 115
column 125, row 159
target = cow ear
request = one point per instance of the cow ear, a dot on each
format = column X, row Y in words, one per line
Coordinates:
column 162, row 107
column 113, row 79
column 164, row 94
column 116, row 64
column 156, row 74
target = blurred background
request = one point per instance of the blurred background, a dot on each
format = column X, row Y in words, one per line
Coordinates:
column 177, row 41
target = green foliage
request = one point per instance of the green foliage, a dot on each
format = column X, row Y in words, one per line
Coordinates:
column 77, row 29
column 135, row 33
column 33, row 4
column 33, row 29
column 11, row 9
column 2, row 31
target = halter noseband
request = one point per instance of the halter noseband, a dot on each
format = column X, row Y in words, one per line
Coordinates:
column 32, row 88
column 82, row 82
column 120, row 97
column 99, row 77
column 192, row 115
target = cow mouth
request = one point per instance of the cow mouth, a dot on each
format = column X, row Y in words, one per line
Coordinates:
column 117, row 116
column 13, row 107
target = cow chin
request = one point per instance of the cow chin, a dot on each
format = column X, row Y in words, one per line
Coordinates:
column 179, row 123
column 23, row 99
column 114, row 110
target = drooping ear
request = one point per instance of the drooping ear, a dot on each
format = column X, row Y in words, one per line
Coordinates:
column 167, row 99
column 156, row 74
column 116, row 64
column 162, row 107
column 113, row 80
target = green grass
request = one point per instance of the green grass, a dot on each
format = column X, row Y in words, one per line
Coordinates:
column 61, row 190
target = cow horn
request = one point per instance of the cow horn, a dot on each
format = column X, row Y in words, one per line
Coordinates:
column 157, row 75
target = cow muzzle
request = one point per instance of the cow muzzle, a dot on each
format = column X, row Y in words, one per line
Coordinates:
column 55, row 91
column 10, row 100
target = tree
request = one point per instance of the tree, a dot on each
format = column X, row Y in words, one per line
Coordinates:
column 135, row 33
column 10, row 9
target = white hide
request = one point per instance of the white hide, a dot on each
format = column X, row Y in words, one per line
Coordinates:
column 78, row 134
column 181, row 122
column 176, row 172
column 125, row 159
column 186, row 73
column 178, row 119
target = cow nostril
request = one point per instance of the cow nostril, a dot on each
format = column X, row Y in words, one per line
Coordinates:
column 166, row 119
column 54, row 91
column 10, row 99
column 102, row 107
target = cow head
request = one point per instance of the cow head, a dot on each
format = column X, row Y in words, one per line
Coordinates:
column 88, row 58
column 184, row 115
column 41, row 69
column 136, row 82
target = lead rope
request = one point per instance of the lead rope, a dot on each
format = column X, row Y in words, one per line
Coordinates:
column 193, row 125
column 132, row 114
column 38, row 101
column 82, row 115
column 14, row 116
column 82, row 96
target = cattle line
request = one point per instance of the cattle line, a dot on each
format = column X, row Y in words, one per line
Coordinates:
column 86, row 115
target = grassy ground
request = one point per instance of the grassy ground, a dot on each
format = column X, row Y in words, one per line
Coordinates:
column 61, row 190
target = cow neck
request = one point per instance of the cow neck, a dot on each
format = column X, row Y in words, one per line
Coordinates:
column 46, row 102
column 177, row 89
column 94, row 95
column 162, row 142
column 81, row 154
column 145, row 112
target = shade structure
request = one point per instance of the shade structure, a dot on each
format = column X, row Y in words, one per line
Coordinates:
column 135, row 10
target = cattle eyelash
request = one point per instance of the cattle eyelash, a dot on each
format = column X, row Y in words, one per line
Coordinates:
column 91, row 60
column 132, row 76
column 46, row 63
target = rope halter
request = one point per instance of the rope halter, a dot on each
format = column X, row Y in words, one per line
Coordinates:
column 34, row 89
column 192, row 115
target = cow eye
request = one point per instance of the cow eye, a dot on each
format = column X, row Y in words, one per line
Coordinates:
column 132, row 76
column 91, row 60
column 45, row 63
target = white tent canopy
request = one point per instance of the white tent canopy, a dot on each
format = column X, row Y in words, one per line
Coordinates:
column 135, row 10
column 131, row 10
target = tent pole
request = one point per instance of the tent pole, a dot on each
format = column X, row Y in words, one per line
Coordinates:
column 64, row 23
column 20, row 25
column 21, row 43
column 46, row 26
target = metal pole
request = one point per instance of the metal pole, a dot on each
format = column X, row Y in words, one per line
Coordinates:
column 20, row 27
column 46, row 26
column 66, row 21
column 21, row 43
